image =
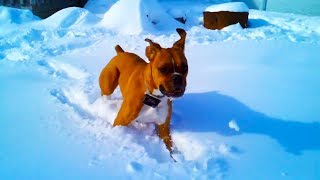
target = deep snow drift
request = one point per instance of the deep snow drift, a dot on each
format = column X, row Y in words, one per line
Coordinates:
column 140, row 16
column 252, row 97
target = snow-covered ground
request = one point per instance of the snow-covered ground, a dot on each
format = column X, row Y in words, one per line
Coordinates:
column 251, row 110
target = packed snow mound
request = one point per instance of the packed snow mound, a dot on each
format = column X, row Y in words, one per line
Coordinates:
column 99, row 7
column 189, row 11
column 231, row 7
column 130, row 21
column 157, row 15
column 70, row 17
column 15, row 16
column 137, row 16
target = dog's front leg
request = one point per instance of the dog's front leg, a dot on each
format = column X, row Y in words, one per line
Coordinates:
column 128, row 112
column 163, row 130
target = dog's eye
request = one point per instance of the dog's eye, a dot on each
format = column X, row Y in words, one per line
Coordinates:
column 164, row 70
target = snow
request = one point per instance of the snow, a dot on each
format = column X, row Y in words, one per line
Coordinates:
column 99, row 7
column 231, row 7
column 131, row 24
column 140, row 16
column 252, row 96
column 70, row 17
column 233, row 125
column 15, row 16
column 191, row 12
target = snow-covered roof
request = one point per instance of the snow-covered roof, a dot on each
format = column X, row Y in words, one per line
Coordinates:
column 232, row 7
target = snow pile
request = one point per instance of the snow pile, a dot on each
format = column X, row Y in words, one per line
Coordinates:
column 158, row 16
column 70, row 17
column 233, row 28
column 99, row 7
column 15, row 16
column 190, row 11
column 125, row 17
column 137, row 16
column 231, row 7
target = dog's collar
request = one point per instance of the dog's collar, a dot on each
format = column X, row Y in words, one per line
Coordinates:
column 152, row 99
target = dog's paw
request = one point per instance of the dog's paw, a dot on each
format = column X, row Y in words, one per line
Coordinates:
column 176, row 155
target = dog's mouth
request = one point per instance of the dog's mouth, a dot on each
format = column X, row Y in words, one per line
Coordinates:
column 178, row 92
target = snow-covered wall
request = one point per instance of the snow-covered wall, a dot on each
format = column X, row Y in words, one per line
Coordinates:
column 306, row 7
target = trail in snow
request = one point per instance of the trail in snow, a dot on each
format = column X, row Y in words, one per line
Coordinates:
column 94, row 115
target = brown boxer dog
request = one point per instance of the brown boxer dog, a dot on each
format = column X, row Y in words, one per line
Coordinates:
column 147, row 88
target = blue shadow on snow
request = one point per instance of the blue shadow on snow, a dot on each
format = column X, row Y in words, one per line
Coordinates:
column 257, row 23
column 211, row 111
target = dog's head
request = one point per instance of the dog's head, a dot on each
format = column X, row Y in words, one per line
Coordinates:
column 169, row 66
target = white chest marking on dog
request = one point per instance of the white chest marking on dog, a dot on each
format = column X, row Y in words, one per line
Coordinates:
column 157, row 92
column 156, row 115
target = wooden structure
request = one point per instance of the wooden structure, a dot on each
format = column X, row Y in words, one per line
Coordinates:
column 43, row 8
column 221, row 19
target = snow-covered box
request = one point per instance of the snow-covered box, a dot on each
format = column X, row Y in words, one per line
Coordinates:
column 222, row 15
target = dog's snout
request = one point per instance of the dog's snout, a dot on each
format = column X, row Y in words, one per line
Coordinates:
column 177, row 79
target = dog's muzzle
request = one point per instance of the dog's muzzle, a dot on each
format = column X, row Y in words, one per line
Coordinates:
column 177, row 92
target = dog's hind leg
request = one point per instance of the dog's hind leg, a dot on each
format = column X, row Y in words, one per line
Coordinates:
column 108, row 79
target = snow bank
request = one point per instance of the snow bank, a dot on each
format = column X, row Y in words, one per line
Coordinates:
column 158, row 16
column 15, row 16
column 233, row 28
column 136, row 16
column 232, row 7
column 125, row 17
column 70, row 17
column 99, row 7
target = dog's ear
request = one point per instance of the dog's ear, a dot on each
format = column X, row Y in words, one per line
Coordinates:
column 152, row 49
column 180, row 43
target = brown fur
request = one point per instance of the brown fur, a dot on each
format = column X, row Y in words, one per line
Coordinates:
column 133, row 74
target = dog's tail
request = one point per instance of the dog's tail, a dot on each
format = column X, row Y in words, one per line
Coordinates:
column 118, row 49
